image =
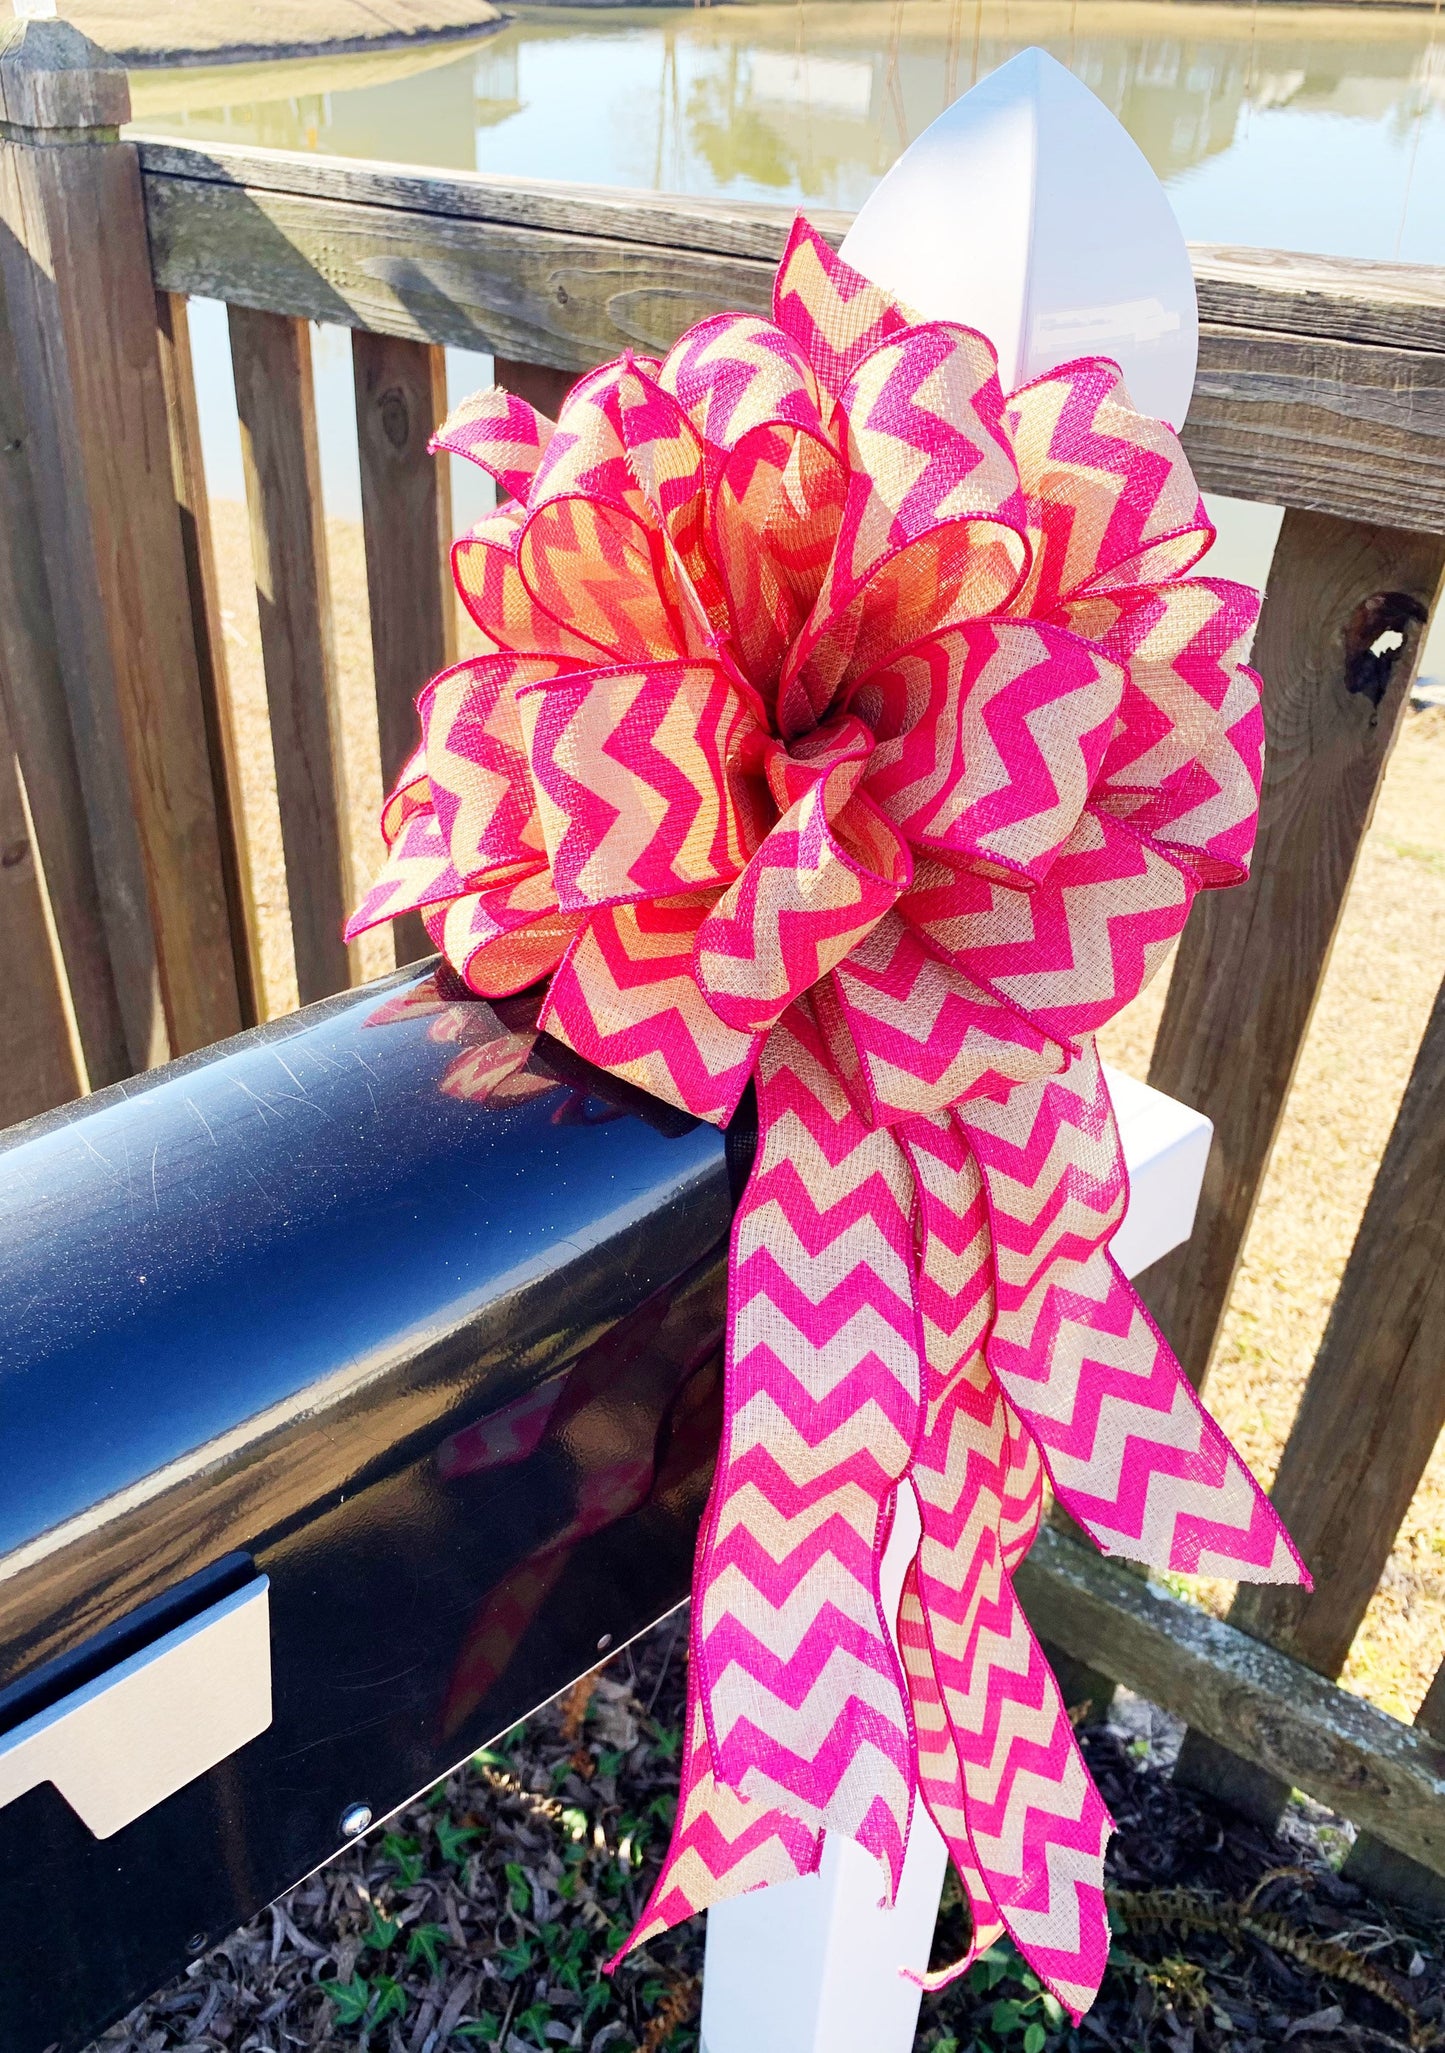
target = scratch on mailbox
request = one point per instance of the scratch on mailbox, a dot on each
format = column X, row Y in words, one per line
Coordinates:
column 253, row 1178
column 91, row 1149
column 260, row 1103
column 204, row 1121
column 310, row 1103
column 305, row 1099
column 291, row 1073
column 370, row 1089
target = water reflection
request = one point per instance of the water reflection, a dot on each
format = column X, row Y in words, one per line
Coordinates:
column 1305, row 128
column 1289, row 127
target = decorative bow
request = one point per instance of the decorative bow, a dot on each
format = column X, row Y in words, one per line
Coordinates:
column 847, row 725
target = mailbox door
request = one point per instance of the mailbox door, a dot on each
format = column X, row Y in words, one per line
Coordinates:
column 359, row 1386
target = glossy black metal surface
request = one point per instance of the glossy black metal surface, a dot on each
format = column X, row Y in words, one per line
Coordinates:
column 420, row 1318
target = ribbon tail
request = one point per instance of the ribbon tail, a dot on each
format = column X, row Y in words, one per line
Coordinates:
column 1132, row 1453
column 798, row 1715
column 940, row 1784
column 1035, row 1827
column 722, row 1845
column 801, row 1686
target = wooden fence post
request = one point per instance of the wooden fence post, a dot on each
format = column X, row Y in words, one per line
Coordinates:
column 1374, row 1405
column 39, row 1069
column 76, row 265
column 34, row 695
column 538, row 384
column 1339, row 639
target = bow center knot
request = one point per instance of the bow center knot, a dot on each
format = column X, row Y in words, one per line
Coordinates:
column 822, row 877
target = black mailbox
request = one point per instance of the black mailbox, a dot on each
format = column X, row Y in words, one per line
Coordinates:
column 359, row 1384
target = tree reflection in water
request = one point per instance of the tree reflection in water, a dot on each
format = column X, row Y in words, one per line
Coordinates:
column 1304, row 128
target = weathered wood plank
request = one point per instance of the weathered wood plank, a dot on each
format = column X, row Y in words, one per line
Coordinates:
column 401, row 399
column 1375, row 1865
column 1251, row 960
column 39, row 1069
column 1231, row 1778
column 406, row 512
column 1372, row 1412
column 569, row 300
column 1347, row 427
column 183, row 416
column 31, row 678
column 276, row 403
column 1345, row 298
column 1259, row 1702
column 747, row 228
column 1374, row 1405
column 82, row 310
column 1375, row 1401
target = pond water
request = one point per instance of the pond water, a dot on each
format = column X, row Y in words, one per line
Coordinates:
column 1283, row 126
column 1303, row 128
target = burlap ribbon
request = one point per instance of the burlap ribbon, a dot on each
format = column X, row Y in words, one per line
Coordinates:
column 847, row 725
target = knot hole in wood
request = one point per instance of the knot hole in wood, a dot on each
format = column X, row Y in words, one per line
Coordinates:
column 1380, row 632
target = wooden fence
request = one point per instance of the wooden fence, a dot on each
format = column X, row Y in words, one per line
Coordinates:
column 1321, row 387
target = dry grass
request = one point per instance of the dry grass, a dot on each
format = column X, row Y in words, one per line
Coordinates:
column 372, row 956
column 185, row 31
column 1381, row 983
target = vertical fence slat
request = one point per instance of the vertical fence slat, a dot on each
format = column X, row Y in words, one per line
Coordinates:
column 39, row 1068
column 1431, row 1714
column 271, row 354
column 1367, row 1425
column 1375, row 1402
column 173, row 326
column 1251, row 960
column 538, row 384
column 401, row 398
column 76, row 262
column 30, row 676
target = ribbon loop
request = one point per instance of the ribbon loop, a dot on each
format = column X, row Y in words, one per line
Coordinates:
column 632, row 773
column 991, row 737
column 501, row 433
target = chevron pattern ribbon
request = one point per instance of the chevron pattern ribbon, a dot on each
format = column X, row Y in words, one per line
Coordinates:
column 846, row 724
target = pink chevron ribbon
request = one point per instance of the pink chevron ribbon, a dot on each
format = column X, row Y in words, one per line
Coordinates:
column 844, row 723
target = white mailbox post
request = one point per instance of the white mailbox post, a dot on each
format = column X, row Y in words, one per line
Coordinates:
column 813, row 1966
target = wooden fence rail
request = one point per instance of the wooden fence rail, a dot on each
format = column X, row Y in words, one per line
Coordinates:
column 1321, row 389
